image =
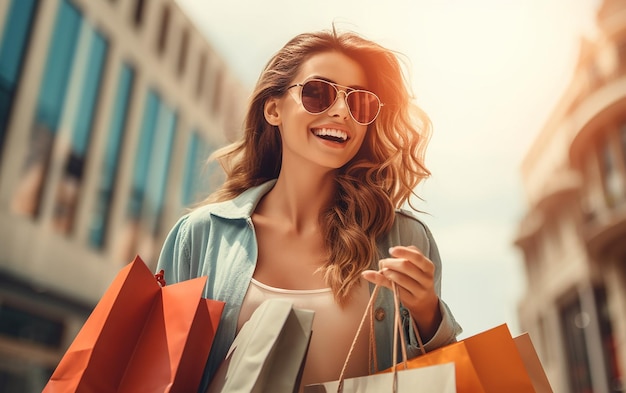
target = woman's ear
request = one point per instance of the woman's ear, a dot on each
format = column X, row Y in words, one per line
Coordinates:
column 272, row 111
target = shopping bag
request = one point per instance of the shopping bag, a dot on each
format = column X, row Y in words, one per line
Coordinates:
column 268, row 353
column 141, row 337
column 466, row 377
column 432, row 379
column 487, row 362
column 533, row 364
column 439, row 378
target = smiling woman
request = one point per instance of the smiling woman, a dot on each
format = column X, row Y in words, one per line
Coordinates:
column 332, row 147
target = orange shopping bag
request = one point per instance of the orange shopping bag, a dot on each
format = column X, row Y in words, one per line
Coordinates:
column 488, row 362
column 141, row 337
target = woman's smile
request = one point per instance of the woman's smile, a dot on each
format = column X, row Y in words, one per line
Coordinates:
column 331, row 134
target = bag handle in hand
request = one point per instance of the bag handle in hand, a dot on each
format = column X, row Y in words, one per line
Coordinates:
column 373, row 352
column 398, row 330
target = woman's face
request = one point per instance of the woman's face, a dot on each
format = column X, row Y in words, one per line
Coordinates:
column 327, row 140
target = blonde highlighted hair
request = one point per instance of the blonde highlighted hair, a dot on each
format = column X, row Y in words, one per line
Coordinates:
column 381, row 177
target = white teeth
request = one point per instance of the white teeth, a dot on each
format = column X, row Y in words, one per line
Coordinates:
column 331, row 132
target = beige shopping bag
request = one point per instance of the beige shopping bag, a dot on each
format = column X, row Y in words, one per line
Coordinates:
column 532, row 363
column 268, row 353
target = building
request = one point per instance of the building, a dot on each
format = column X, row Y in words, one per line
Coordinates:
column 573, row 237
column 108, row 109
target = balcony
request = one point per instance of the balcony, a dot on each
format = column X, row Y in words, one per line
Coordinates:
column 604, row 233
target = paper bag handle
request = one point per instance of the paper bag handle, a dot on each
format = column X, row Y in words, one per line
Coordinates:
column 160, row 277
column 398, row 330
column 373, row 353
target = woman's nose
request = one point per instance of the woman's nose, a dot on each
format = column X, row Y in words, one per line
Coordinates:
column 340, row 106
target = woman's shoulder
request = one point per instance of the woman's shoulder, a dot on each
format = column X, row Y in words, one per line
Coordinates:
column 408, row 218
column 409, row 229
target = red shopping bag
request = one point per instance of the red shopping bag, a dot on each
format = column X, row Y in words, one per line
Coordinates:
column 488, row 362
column 141, row 337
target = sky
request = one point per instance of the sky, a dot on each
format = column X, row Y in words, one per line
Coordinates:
column 487, row 72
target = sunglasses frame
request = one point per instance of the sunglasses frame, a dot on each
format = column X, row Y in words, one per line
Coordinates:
column 346, row 92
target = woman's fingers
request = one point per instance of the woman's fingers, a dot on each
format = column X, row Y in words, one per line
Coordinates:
column 376, row 277
column 410, row 269
column 415, row 256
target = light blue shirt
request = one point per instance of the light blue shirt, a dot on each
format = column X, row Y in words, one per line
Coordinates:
column 218, row 241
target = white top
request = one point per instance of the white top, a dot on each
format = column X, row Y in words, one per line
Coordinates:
column 334, row 328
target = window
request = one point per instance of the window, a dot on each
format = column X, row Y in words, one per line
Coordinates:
column 589, row 203
column 182, row 55
column 612, row 180
column 50, row 104
column 152, row 162
column 201, row 74
column 165, row 21
column 217, row 92
column 139, row 11
column 27, row 326
column 574, row 322
column 13, row 40
column 110, row 164
column 609, row 341
column 76, row 123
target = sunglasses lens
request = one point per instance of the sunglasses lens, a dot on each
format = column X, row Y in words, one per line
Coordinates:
column 363, row 105
column 317, row 96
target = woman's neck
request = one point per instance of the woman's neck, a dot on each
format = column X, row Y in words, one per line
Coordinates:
column 297, row 199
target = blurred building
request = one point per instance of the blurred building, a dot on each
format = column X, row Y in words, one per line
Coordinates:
column 108, row 109
column 573, row 237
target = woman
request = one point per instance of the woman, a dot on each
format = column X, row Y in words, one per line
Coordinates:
column 332, row 148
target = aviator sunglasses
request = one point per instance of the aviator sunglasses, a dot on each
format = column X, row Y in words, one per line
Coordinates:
column 317, row 95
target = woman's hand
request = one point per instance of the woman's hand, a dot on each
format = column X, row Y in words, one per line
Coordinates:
column 414, row 274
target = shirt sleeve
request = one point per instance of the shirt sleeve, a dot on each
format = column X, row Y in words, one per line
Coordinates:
column 412, row 231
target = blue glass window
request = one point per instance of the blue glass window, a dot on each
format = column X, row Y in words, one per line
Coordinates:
column 50, row 101
column 142, row 159
column 159, row 164
column 76, row 120
column 89, row 92
column 152, row 161
column 111, row 157
column 12, row 48
column 58, row 66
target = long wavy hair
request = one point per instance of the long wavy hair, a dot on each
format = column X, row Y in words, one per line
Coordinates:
column 381, row 177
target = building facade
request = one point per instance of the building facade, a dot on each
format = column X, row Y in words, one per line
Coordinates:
column 108, row 110
column 573, row 237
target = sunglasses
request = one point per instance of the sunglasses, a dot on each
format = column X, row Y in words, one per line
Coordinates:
column 317, row 95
